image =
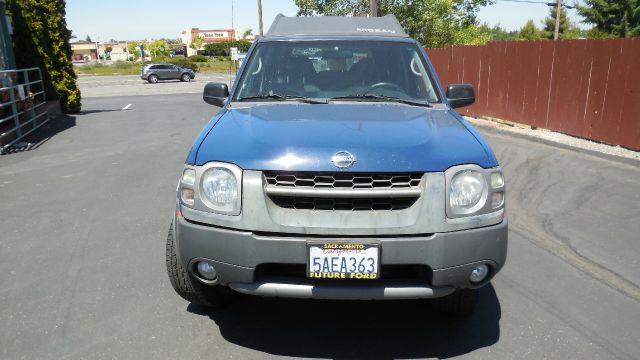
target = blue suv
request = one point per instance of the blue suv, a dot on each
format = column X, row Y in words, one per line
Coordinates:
column 336, row 168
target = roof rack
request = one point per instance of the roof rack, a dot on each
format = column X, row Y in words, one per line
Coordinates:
column 387, row 26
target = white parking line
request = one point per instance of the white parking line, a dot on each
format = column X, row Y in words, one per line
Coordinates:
column 126, row 107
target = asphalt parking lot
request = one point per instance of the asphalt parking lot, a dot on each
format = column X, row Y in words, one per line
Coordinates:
column 85, row 211
column 133, row 85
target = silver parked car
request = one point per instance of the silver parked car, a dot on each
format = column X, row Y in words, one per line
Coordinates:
column 154, row 72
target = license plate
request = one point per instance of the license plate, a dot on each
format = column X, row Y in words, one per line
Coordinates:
column 343, row 261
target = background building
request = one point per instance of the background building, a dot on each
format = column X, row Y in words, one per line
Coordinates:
column 208, row 36
column 89, row 51
column 84, row 50
column 118, row 50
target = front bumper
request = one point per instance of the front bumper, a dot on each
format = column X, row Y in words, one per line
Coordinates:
column 236, row 254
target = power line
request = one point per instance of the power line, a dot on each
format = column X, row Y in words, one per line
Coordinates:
column 552, row 4
column 527, row 1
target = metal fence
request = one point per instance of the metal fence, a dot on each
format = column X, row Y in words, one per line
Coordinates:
column 22, row 105
column 585, row 88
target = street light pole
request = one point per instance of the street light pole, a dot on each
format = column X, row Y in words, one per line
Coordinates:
column 260, row 16
column 556, row 33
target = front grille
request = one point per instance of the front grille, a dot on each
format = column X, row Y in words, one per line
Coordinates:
column 349, row 204
column 343, row 180
column 343, row 191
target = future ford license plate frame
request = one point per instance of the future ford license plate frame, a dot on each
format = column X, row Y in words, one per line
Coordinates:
column 342, row 260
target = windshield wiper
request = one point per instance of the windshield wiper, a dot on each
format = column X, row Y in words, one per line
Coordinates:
column 283, row 98
column 382, row 98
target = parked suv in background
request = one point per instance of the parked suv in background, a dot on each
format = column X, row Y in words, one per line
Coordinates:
column 154, row 72
column 336, row 168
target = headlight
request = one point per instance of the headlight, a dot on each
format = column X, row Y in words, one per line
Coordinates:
column 220, row 188
column 213, row 187
column 466, row 190
column 473, row 190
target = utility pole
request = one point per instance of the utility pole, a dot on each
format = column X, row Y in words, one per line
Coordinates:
column 260, row 16
column 373, row 8
column 233, row 39
column 556, row 34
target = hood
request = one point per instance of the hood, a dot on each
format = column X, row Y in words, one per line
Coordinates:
column 304, row 137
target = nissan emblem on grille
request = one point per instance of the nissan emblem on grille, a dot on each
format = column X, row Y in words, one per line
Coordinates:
column 343, row 159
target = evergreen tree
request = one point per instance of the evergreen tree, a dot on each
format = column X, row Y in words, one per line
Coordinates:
column 41, row 39
column 88, row 39
column 567, row 30
column 498, row 33
column 530, row 32
column 618, row 18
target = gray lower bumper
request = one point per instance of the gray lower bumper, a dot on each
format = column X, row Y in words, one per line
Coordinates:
column 450, row 256
column 308, row 290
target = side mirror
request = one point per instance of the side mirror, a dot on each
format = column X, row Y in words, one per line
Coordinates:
column 215, row 94
column 459, row 95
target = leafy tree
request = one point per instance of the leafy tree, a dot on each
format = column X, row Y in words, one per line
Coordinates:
column 88, row 38
column 196, row 43
column 159, row 48
column 247, row 33
column 568, row 30
column 434, row 23
column 530, row 32
column 134, row 49
column 41, row 39
column 619, row 18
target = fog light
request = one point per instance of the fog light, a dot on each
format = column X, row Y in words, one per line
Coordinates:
column 206, row 270
column 479, row 273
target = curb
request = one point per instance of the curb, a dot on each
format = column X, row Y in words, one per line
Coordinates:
column 616, row 158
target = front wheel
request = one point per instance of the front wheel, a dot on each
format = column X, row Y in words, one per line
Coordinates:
column 152, row 79
column 186, row 77
column 188, row 287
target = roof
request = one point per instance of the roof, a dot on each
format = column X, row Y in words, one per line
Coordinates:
column 386, row 26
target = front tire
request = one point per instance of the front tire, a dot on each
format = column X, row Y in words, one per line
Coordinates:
column 152, row 79
column 188, row 287
column 460, row 303
column 185, row 77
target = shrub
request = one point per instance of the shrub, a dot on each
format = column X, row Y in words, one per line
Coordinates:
column 198, row 58
column 184, row 62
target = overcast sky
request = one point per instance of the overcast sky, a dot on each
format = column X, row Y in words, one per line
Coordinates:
column 140, row 19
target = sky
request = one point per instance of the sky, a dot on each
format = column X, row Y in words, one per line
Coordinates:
column 151, row 19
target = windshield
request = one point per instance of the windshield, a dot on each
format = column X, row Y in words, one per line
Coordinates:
column 349, row 70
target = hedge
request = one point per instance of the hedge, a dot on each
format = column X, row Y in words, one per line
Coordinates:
column 198, row 58
column 183, row 62
column 41, row 39
column 222, row 48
